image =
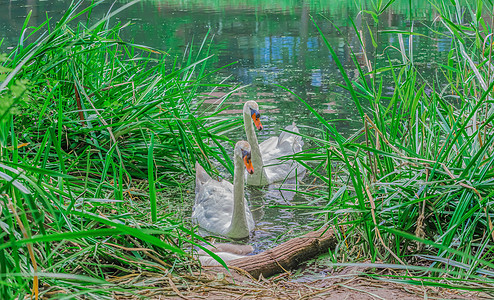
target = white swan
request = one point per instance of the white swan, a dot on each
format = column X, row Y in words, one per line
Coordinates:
column 265, row 156
column 220, row 206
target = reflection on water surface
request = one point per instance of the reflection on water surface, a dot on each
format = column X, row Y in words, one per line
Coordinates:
column 274, row 42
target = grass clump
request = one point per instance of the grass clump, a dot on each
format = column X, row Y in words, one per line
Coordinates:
column 85, row 118
column 415, row 184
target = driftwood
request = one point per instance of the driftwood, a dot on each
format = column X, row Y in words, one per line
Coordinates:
column 287, row 255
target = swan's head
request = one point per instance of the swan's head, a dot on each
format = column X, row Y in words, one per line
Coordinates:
column 242, row 149
column 252, row 109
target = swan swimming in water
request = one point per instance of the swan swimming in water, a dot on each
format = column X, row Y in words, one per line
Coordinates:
column 265, row 156
column 220, row 206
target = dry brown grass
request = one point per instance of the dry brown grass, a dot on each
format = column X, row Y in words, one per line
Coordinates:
column 347, row 283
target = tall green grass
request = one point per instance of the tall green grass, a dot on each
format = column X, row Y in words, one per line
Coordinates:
column 416, row 183
column 85, row 116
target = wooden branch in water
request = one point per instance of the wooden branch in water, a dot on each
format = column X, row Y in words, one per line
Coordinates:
column 287, row 255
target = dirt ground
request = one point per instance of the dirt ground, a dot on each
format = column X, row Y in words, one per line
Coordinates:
column 348, row 283
column 316, row 278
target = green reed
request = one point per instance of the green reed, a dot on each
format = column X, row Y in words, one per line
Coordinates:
column 415, row 183
column 84, row 117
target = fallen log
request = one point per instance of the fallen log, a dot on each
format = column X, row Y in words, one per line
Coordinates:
column 287, row 255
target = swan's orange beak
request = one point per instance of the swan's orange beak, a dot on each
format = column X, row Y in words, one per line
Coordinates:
column 248, row 163
column 256, row 117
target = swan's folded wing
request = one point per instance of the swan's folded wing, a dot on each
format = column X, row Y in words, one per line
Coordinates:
column 273, row 153
column 280, row 169
column 214, row 191
column 201, row 177
column 214, row 206
column 291, row 138
column 267, row 147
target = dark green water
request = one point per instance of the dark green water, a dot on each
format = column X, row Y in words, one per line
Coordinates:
column 273, row 42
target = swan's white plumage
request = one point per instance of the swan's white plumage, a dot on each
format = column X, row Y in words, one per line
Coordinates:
column 273, row 148
column 265, row 156
column 214, row 205
column 213, row 208
column 208, row 261
column 227, row 252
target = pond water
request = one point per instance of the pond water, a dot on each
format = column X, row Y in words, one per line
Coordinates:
column 273, row 42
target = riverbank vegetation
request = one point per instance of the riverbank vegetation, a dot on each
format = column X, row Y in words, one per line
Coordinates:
column 98, row 133
column 94, row 127
column 414, row 187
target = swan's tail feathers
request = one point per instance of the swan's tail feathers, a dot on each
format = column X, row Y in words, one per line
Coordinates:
column 201, row 176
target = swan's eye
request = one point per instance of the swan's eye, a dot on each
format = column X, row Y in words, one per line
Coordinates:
column 256, row 117
column 248, row 161
column 246, row 154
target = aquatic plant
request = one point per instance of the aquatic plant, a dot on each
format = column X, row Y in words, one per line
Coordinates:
column 93, row 130
column 416, row 182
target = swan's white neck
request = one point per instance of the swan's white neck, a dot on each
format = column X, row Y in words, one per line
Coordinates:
column 238, row 226
column 259, row 177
